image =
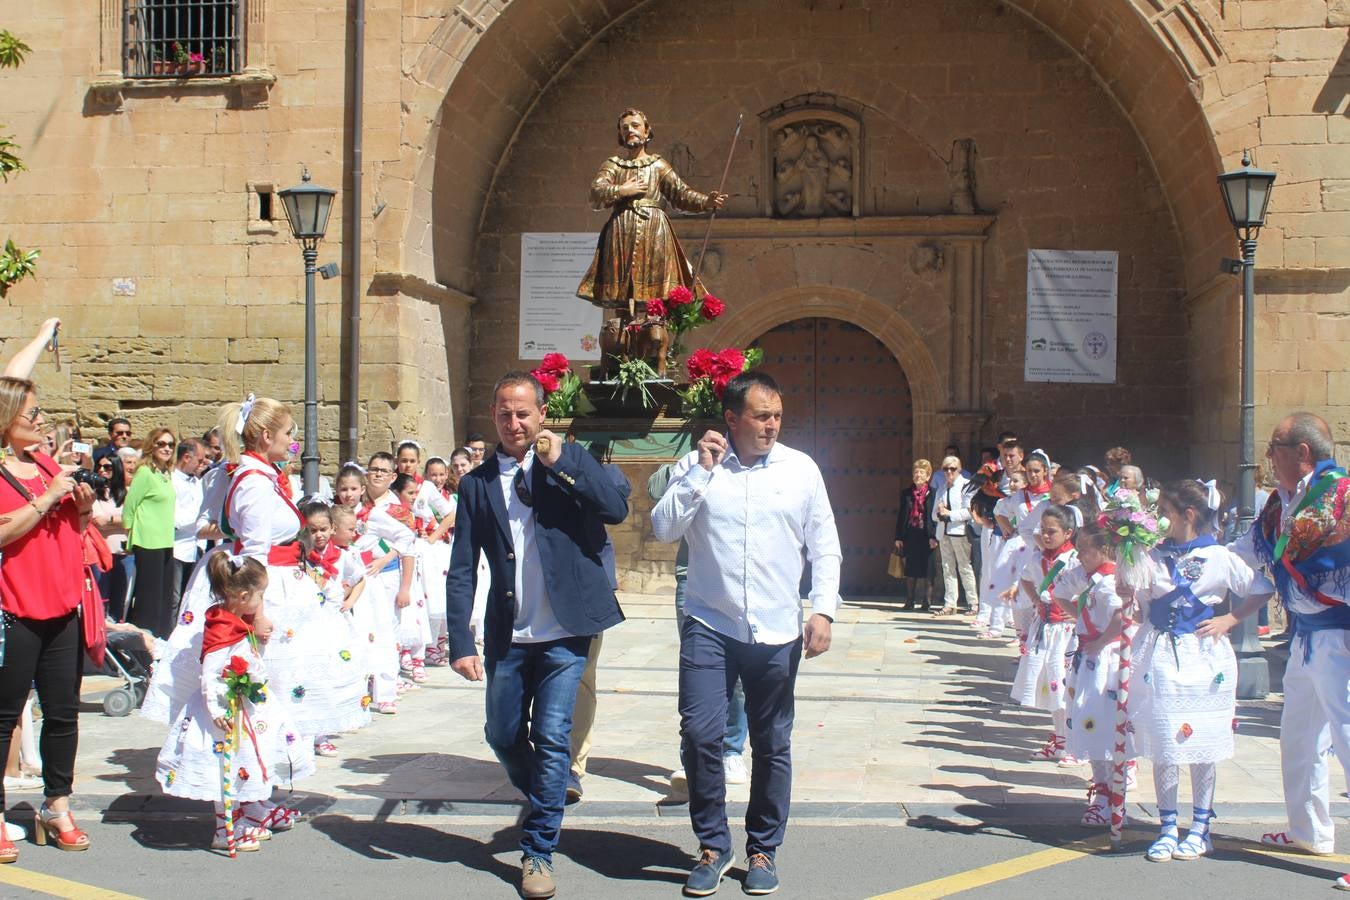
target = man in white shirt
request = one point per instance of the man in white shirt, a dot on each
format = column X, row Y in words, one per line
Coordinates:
column 752, row 512
column 187, row 493
column 951, row 515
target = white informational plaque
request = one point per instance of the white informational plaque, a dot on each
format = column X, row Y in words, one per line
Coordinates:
column 1071, row 316
column 553, row 319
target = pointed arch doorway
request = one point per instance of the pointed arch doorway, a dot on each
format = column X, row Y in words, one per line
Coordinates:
column 846, row 402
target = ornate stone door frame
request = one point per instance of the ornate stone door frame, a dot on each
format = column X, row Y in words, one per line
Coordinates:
column 943, row 366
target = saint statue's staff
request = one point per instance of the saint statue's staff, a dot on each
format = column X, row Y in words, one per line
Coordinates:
column 721, row 186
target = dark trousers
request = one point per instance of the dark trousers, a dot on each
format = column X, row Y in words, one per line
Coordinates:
column 531, row 692
column 50, row 653
column 153, row 604
column 710, row 663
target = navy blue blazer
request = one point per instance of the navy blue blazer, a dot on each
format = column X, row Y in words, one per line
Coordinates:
column 573, row 502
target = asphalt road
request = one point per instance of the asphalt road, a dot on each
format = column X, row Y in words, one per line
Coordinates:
column 335, row 856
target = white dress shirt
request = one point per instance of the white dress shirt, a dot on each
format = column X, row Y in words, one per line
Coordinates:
column 535, row 622
column 187, row 503
column 746, row 527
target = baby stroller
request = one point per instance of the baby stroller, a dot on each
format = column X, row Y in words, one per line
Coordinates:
column 127, row 659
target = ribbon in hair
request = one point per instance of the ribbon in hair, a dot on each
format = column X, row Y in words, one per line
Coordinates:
column 236, row 562
column 353, row 464
column 245, row 410
column 408, row 442
column 1077, row 516
column 1212, row 496
column 1085, row 484
column 1043, row 456
column 436, row 459
column 316, row 500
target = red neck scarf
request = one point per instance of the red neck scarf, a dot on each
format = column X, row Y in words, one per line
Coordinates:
column 1048, row 557
column 1043, row 488
column 1106, row 568
column 223, row 629
column 327, row 560
column 916, row 511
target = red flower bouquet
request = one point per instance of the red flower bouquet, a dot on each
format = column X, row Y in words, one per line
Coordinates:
column 709, row 373
column 562, row 387
column 240, row 683
column 683, row 312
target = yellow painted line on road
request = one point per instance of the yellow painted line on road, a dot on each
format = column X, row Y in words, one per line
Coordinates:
column 986, row 875
column 57, row 887
column 1247, row 847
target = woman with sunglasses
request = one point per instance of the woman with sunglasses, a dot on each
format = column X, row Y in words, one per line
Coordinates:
column 147, row 514
column 107, row 518
column 42, row 512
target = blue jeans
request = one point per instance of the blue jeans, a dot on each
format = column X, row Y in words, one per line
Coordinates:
column 530, row 695
column 710, row 663
column 733, row 740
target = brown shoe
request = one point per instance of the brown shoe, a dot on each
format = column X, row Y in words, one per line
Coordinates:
column 536, row 879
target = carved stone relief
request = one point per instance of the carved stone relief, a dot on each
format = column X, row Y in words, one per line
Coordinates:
column 814, row 169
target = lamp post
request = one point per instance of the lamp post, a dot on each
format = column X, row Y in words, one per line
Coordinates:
column 307, row 209
column 1246, row 194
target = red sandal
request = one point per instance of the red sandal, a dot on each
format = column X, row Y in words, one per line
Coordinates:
column 47, row 830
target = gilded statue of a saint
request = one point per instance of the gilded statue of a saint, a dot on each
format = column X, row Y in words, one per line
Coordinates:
column 637, row 257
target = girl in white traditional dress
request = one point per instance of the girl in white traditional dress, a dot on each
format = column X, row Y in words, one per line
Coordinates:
column 271, row 750
column 414, row 625
column 387, row 550
column 437, row 556
column 1182, row 690
column 993, row 608
column 324, row 562
column 305, row 654
column 1040, row 681
column 1019, row 515
column 1087, row 591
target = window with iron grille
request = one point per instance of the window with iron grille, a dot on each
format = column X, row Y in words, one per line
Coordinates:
column 180, row 38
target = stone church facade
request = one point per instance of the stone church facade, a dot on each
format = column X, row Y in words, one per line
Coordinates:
column 898, row 160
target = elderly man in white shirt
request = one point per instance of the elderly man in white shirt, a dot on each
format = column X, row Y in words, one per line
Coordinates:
column 951, row 519
column 752, row 512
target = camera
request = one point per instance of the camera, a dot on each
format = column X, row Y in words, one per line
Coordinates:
column 99, row 483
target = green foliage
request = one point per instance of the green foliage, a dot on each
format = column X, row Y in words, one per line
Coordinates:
column 12, row 51
column 633, row 375
column 16, row 265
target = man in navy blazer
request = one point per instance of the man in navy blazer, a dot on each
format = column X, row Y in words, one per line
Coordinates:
column 539, row 514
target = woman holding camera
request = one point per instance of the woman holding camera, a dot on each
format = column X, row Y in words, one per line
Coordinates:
column 42, row 513
column 147, row 515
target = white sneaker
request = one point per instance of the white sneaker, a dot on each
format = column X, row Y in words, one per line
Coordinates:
column 15, row 832
column 734, row 766
column 23, row 782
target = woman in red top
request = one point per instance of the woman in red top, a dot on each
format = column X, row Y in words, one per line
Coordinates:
column 42, row 513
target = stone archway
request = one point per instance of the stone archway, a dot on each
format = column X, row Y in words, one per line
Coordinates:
column 846, row 404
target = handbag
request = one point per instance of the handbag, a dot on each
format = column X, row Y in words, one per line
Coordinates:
column 95, row 629
column 896, row 567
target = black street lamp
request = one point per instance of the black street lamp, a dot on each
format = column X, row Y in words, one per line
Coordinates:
column 1246, row 194
column 307, row 210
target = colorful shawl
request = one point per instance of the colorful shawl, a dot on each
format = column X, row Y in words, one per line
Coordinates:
column 1314, row 553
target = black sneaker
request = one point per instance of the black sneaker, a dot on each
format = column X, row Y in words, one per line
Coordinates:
column 706, row 877
column 573, row 788
column 761, row 876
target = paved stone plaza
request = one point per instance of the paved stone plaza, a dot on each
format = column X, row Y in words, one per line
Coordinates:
column 906, row 716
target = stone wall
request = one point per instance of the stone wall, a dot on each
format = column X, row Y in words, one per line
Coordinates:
column 1056, row 166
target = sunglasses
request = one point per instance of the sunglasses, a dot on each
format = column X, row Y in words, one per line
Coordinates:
column 164, row 443
column 121, row 434
column 33, row 414
column 522, row 489
column 949, row 469
column 103, row 467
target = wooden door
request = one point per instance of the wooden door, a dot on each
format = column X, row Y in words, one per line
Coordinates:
column 846, row 402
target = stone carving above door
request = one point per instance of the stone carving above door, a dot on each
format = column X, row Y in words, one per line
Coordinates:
column 813, row 169
column 813, row 158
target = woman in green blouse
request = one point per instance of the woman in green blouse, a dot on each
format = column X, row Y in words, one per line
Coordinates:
column 147, row 515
